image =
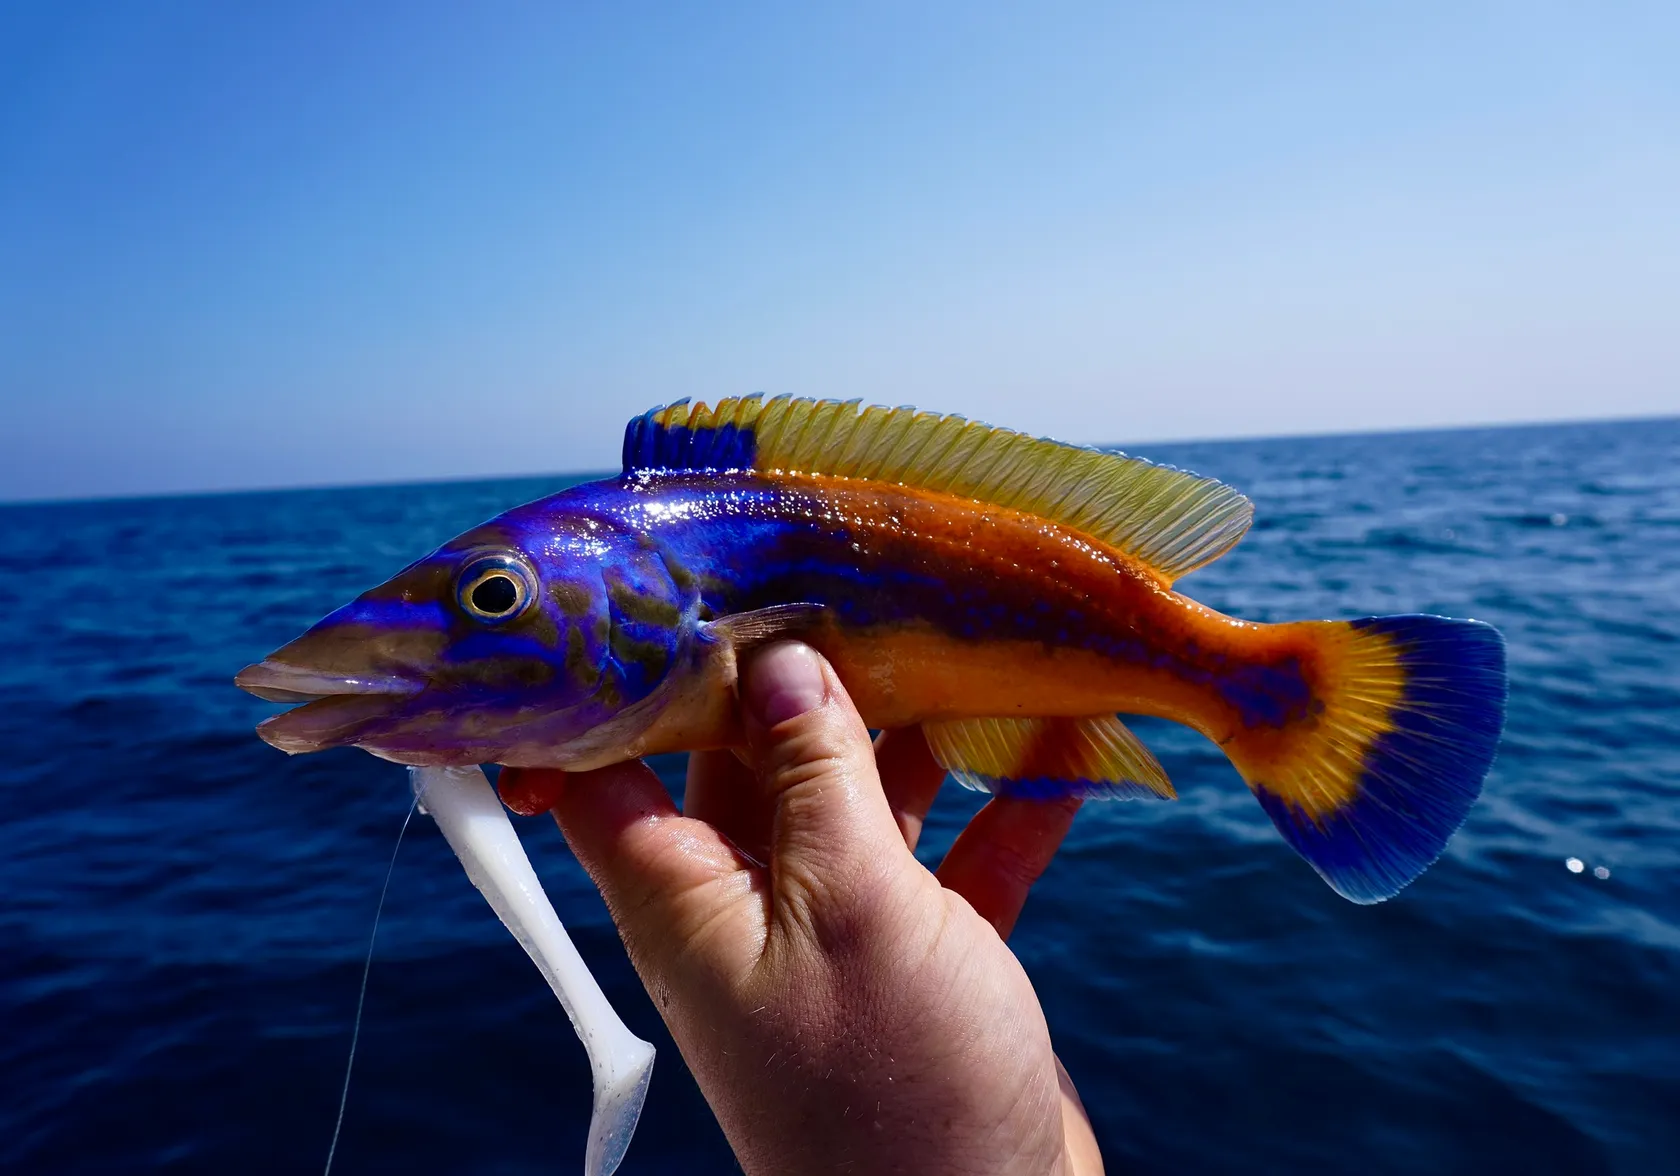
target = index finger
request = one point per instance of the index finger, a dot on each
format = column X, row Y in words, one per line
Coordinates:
column 639, row 851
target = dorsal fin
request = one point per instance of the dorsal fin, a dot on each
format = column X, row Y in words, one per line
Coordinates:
column 1170, row 520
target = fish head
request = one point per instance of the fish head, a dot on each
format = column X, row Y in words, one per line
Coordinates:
column 509, row 638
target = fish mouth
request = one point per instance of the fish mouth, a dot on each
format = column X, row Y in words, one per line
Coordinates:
column 337, row 709
column 278, row 681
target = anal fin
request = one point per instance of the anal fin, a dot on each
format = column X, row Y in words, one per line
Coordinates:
column 1094, row 757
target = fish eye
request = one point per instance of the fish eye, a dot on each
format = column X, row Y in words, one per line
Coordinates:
column 495, row 588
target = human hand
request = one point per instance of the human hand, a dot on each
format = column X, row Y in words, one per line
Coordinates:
column 842, row 1009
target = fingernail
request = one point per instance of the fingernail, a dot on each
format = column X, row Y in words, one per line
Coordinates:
column 529, row 791
column 782, row 681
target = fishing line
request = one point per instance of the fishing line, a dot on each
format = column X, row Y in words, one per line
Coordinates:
column 361, row 997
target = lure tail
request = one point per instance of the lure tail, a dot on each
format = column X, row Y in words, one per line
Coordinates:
column 1370, row 782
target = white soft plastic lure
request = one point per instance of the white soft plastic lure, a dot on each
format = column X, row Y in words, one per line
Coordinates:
column 477, row 828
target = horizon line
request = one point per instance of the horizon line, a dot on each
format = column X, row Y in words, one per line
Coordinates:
column 585, row 475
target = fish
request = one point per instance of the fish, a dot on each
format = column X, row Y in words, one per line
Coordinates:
column 1010, row 594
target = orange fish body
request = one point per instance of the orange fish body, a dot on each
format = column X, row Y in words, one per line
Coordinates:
column 903, row 673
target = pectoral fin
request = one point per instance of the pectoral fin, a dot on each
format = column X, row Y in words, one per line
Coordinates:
column 695, row 706
column 745, row 630
column 1042, row 759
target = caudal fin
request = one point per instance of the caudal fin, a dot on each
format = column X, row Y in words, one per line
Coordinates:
column 1371, row 784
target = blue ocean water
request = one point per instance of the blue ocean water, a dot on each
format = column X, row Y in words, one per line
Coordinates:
column 183, row 911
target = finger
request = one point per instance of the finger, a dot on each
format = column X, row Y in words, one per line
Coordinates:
column 637, row 849
column 723, row 792
column 994, row 862
column 910, row 776
column 832, row 828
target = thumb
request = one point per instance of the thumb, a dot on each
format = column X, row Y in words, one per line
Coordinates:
column 833, row 829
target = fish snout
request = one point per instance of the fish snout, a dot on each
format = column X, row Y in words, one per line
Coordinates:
column 354, row 651
column 350, row 676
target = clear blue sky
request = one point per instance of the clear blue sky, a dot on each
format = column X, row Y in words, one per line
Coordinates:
column 253, row 244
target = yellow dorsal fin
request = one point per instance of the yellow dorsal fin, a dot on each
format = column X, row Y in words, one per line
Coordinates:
column 1169, row 520
column 1042, row 759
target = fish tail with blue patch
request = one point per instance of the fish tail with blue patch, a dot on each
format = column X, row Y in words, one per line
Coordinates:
column 1370, row 780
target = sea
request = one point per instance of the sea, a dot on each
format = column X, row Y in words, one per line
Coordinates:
column 184, row 912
